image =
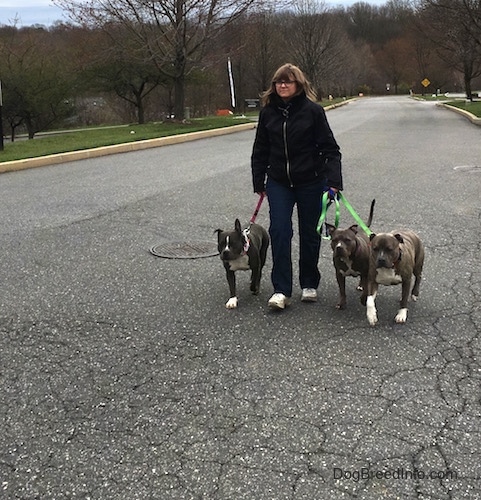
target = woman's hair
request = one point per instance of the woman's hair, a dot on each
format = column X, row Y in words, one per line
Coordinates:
column 289, row 72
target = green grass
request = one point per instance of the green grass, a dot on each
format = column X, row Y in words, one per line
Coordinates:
column 77, row 140
column 430, row 97
column 472, row 107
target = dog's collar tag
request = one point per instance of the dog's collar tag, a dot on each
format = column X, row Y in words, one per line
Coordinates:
column 247, row 242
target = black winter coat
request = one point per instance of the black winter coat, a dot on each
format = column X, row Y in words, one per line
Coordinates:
column 294, row 145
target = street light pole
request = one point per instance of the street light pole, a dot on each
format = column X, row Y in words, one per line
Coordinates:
column 1, row 118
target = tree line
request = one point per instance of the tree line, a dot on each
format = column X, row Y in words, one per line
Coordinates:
column 124, row 61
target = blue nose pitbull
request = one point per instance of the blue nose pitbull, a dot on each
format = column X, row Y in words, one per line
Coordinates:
column 395, row 257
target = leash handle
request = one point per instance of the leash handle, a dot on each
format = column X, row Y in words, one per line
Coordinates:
column 356, row 217
column 258, row 207
column 325, row 204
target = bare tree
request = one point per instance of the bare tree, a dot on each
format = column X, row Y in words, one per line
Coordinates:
column 397, row 61
column 171, row 34
column 264, row 48
column 317, row 42
column 362, row 22
column 123, row 72
column 472, row 20
column 36, row 80
column 449, row 24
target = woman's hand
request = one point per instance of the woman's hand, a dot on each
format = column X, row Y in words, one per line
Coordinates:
column 332, row 192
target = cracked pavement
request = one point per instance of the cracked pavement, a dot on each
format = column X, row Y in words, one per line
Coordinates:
column 123, row 376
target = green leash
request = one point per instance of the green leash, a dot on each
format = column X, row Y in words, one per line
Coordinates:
column 326, row 203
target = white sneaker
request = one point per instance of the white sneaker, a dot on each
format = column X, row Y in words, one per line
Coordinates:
column 278, row 301
column 309, row 295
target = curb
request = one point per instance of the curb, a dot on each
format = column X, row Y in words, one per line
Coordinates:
column 339, row 104
column 472, row 118
column 55, row 159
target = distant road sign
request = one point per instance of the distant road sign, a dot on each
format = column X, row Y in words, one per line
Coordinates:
column 426, row 82
column 252, row 103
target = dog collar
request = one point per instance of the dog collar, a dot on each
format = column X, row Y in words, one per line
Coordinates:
column 398, row 259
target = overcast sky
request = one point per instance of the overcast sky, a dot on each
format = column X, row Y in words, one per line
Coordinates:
column 30, row 12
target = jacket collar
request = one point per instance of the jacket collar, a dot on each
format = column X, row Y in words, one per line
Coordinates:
column 291, row 104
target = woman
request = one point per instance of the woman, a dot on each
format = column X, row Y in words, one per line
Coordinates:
column 295, row 158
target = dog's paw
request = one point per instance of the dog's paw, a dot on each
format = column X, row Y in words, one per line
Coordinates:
column 231, row 303
column 341, row 305
column 371, row 311
column 414, row 298
column 401, row 316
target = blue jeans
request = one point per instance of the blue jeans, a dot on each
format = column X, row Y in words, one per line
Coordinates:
column 281, row 205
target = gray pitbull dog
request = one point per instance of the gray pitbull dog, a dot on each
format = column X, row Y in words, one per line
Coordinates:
column 350, row 256
column 243, row 250
column 395, row 258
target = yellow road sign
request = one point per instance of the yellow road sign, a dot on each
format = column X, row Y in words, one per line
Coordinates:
column 426, row 82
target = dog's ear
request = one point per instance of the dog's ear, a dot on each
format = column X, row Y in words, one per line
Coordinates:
column 399, row 238
column 237, row 226
column 354, row 228
column 330, row 228
column 372, row 236
column 219, row 234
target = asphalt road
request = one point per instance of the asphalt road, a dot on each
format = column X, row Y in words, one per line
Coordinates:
column 123, row 376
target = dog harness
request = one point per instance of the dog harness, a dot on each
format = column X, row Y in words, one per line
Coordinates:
column 247, row 241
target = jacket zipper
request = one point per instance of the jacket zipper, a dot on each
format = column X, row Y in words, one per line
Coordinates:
column 285, row 112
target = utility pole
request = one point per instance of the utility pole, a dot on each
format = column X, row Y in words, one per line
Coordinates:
column 231, row 84
column 1, row 118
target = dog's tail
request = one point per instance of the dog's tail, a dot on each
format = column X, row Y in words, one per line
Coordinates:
column 371, row 212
